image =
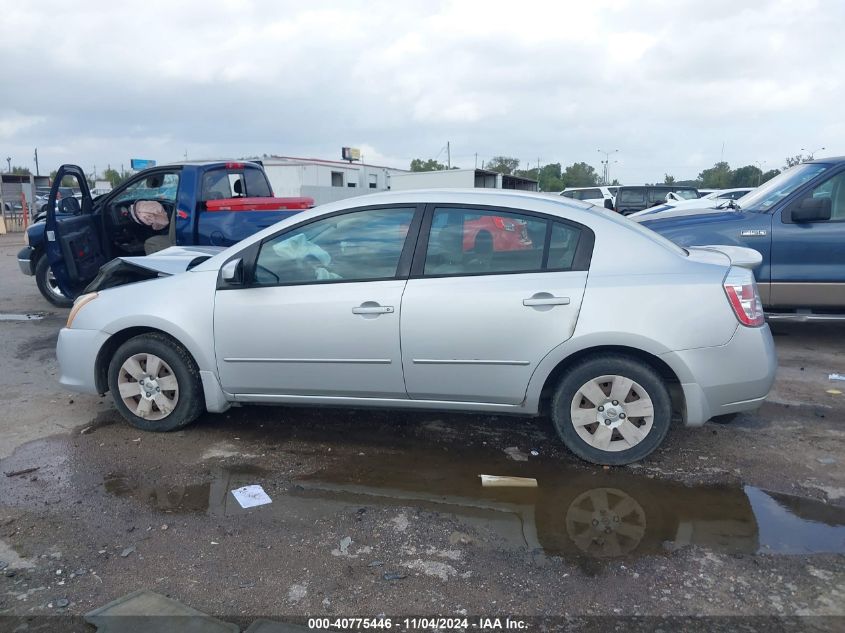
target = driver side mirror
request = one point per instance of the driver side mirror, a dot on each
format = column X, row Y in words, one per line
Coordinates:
column 232, row 272
column 810, row 210
column 70, row 206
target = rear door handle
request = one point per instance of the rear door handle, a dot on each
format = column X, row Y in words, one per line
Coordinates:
column 546, row 301
column 364, row 309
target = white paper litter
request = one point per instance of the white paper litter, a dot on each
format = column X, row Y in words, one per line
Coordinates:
column 836, row 377
column 251, row 496
column 498, row 481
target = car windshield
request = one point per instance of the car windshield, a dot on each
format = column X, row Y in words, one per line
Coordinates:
column 776, row 189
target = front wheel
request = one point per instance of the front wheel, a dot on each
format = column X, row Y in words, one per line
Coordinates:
column 612, row 410
column 155, row 383
column 47, row 286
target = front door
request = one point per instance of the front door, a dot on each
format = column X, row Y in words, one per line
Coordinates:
column 497, row 291
column 808, row 258
column 73, row 232
column 320, row 314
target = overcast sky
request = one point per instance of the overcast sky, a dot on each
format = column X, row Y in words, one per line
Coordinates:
column 668, row 83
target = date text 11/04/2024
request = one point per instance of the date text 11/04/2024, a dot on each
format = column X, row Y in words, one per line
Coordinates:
column 417, row 623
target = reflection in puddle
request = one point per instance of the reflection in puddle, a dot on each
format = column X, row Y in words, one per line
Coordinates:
column 572, row 512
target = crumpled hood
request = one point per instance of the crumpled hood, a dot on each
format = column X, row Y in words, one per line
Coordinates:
column 174, row 260
column 171, row 261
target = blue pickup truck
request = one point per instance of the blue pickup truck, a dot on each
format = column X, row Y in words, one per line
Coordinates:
column 796, row 221
column 193, row 203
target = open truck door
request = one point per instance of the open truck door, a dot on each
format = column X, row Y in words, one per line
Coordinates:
column 73, row 245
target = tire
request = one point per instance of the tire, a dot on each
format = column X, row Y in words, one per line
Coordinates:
column 174, row 383
column 46, row 284
column 603, row 442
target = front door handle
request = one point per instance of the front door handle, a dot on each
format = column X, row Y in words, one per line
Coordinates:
column 368, row 308
column 545, row 300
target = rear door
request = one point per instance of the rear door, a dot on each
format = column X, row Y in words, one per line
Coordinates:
column 74, row 233
column 492, row 291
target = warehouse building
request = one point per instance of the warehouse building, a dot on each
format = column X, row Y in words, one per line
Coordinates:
column 460, row 178
column 326, row 180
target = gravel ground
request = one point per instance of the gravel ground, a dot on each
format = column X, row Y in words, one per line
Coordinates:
column 382, row 512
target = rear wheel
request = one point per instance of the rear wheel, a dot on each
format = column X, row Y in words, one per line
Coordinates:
column 155, row 383
column 611, row 410
column 46, row 282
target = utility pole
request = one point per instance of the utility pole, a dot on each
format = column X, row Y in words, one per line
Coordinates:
column 448, row 155
column 476, row 160
column 9, row 163
column 37, row 173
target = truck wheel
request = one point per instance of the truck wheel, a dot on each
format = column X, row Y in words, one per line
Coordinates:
column 155, row 383
column 611, row 410
column 46, row 283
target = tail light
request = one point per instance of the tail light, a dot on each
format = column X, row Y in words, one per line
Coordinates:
column 504, row 225
column 741, row 290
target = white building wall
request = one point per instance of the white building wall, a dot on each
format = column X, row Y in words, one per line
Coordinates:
column 298, row 177
column 453, row 178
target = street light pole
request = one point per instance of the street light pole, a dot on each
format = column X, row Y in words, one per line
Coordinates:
column 812, row 154
column 9, row 163
column 605, row 162
column 760, row 164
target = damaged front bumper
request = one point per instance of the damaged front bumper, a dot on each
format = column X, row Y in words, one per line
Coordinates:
column 25, row 260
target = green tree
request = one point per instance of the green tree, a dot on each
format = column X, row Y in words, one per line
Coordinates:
column 21, row 171
column 748, row 176
column 418, row 164
column 668, row 180
column 719, row 176
column 114, row 177
column 579, row 175
column 503, row 164
column 769, row 175
column 791, row 161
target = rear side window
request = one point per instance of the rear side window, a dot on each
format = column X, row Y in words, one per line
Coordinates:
column 657, row 195
column 591, row 194
column 476, row 242
column 631, row 196
column 221, row 184
column 256, row 184
column 563, row 246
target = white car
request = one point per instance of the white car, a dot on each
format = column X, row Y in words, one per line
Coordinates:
column 396, row 300
column 594, row 195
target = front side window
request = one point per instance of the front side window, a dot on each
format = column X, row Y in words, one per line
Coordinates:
column 159, row 186
column 833, row 190
column 472, row 242
column 358, row 246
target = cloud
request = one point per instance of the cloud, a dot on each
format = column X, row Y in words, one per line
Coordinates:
column 665, row 82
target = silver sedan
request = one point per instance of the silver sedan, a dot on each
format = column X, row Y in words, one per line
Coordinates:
column 489, row 301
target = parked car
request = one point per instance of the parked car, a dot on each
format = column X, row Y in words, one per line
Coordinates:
column 215, row 203
column 594, row 195
column 630, row 199
column 373, row 302
column 719, row 199
column 796, row 221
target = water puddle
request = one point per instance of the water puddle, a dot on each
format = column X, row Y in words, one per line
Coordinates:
column 572, row 512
